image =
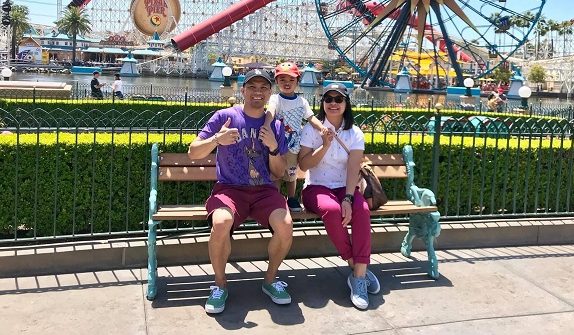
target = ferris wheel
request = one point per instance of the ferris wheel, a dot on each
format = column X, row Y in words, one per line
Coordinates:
column 436, row 41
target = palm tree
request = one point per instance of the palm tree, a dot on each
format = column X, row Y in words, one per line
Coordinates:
column 74, row 22
column 19, row 24
column 565, row 30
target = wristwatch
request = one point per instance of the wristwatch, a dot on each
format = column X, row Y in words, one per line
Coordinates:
column 349, row 198
column 274, row 152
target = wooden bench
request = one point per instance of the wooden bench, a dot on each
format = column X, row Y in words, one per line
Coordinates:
column 178, row 167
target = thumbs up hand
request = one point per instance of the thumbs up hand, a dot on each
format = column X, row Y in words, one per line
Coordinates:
column 226, row 135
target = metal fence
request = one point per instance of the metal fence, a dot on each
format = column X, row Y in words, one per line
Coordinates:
column 185, row 96
column 77, row 175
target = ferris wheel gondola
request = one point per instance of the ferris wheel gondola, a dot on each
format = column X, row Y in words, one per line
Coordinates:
column 437, row 41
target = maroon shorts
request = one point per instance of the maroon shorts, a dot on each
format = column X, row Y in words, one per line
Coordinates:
column 256, row 202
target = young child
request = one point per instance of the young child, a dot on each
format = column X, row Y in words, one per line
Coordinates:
column 291, row 110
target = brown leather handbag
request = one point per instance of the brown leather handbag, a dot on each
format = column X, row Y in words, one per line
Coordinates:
column 370, row 185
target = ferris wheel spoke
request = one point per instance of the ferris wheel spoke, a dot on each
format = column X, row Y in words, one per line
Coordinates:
column 346, row 27
column 381, row 61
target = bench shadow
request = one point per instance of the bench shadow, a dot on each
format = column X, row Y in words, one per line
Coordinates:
column 314, row 287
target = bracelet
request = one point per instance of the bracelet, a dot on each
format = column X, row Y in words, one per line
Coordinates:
column 349, row 198
column 274, row 152
column 216, row 139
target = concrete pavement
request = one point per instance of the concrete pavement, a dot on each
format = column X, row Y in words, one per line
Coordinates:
column 514, row 290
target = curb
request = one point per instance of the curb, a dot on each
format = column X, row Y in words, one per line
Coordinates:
column 85, row 256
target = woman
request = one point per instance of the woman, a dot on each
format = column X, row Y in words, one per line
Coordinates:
column 117, row 87
column 331, row 188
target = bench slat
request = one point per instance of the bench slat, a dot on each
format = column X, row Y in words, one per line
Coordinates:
column 208, row 173
column 198, row 212
column 385, row 159
column 390, row 172
column 199, row 207
column 182, row 173
column 182, row 159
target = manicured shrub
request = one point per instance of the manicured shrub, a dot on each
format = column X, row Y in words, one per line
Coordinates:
column 81, row 183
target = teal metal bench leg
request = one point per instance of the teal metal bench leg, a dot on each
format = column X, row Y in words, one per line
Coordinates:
column 433, row 227
column 152, row 227
column 407, row 244
column 426, row 227
column 151, row 260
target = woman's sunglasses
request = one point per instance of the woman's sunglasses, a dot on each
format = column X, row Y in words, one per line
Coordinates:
column 338, row 99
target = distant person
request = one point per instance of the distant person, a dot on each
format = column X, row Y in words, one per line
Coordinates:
column 97, row 86
column 291, row 110
column 494, row 103
column 117, row 87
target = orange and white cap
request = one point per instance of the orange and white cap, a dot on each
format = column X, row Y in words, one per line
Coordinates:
column 287, row 68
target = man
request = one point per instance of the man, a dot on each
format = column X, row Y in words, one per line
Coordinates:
column 96, row 86
column 249, row 158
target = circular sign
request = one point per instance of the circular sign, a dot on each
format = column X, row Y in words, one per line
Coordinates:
column 150, row 16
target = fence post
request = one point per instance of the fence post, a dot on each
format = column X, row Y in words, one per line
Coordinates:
column 530, row 110
column 436, row 148
column 314, row 100
column 185, row 97
column 150, row 89
column 34, row 95
column 372, row 106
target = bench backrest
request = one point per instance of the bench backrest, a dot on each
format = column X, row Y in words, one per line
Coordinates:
column 179, row 167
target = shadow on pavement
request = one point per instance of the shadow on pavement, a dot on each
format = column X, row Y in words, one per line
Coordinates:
column 312, row 287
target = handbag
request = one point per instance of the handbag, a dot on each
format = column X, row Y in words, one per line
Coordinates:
column 371, row 187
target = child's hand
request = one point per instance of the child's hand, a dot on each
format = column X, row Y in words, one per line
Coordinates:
column 324, row 130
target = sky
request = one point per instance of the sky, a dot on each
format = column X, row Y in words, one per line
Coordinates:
column 44, row 11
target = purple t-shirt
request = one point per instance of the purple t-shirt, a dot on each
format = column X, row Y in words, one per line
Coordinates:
column 247, row 161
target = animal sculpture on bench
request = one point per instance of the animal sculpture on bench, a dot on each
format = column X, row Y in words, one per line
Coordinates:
column 422, row 225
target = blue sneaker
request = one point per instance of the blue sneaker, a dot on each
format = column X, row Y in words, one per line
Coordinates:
column 216, row 301
column 373, row 285
column 359, row 295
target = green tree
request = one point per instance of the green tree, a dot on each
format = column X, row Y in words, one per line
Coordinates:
column 501, row 74
column 537, row 74
column 19, row 24
column 74, row 22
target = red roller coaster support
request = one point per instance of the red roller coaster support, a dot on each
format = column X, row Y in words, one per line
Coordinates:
column 217, row 23
column 79, row 3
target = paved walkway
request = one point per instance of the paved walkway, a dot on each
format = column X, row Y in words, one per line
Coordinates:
column 519, row 290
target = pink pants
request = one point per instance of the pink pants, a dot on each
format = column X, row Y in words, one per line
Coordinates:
column 326, row 202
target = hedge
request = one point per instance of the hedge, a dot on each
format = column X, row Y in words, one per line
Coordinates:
column 69, row 113
column 64, row 184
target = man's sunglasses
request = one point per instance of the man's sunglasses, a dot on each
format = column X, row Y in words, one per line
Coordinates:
column 338, row 99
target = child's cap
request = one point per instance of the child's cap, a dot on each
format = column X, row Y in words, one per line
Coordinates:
column 287, row 68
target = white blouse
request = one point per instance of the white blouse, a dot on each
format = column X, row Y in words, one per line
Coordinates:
column 332, row 169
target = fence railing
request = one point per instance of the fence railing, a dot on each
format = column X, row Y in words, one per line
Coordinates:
column 135, row 94
column 80, row 175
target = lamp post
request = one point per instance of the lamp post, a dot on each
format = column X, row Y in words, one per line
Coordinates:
column 226, row 72
column 226, row 90
column 524, row 92
column 468, row 83
column 436, row 147
column 6, row 73
column 466, row 100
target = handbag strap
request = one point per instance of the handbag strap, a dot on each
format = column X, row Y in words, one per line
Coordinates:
column 342, row 144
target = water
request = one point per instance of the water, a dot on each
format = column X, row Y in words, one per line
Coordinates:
column 192, row 84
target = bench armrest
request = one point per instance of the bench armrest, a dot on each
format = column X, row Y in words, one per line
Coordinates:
column 422, row 196
column 153, row 180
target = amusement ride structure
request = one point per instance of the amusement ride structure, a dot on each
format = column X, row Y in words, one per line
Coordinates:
column 439, row 42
